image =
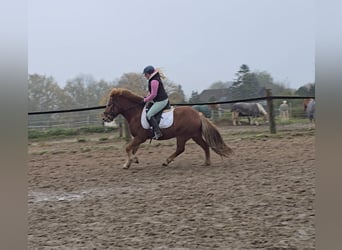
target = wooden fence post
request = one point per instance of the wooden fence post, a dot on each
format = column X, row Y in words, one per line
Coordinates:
column 123, row 128
column 270, row 111
column 128, row 136
column 120, row 120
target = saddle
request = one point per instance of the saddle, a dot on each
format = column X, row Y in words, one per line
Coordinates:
column 159, row 114
column 163, row 117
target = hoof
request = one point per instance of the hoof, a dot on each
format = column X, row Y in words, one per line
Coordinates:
column 165, row 164
column 136, row 160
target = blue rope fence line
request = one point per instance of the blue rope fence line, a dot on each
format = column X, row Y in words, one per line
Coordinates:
column 177, row 104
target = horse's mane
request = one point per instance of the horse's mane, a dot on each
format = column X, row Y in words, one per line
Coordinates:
column 261, row 109
column 126, row 93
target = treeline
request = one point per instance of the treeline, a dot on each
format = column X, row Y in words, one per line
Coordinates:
column 249, row 84
column 45, row 94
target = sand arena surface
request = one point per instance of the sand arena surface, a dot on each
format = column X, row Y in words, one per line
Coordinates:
column 262, row 197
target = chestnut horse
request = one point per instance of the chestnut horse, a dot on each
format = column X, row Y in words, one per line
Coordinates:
column 188, row 124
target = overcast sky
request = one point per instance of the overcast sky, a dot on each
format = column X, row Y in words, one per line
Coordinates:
column 196, row 42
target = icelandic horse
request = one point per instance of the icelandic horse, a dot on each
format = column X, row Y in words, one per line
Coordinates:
column 188, row 124
column 251, row 110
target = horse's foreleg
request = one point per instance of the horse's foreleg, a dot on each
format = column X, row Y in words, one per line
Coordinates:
column 131, row 149
column 199, row 140
column 238, row 119
column 180, row 149
column 134, row 150
column 129, row 159
column 235, row 117
column 256, row 121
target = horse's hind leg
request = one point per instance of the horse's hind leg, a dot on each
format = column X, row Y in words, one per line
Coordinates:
column 180, row 149
column 199, row 140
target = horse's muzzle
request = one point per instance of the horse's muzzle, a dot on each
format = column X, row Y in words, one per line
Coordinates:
column 107, row 117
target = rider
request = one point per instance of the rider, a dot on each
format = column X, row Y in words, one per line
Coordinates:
column 158, row 95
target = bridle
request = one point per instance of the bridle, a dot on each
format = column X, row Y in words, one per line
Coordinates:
column 113, row 114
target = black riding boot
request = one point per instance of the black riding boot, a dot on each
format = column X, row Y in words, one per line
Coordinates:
column 156, row 129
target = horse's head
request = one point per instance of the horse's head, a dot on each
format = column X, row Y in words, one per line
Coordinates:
column 122, row 101
column 111, row 111
column 263, row 112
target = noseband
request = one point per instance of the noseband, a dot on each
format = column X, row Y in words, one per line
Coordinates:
column 110, row 112
column 113, row 114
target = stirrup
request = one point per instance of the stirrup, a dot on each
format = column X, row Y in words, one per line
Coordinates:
column 157, row 135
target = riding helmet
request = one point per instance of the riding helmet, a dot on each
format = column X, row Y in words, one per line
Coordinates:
column 148, row 69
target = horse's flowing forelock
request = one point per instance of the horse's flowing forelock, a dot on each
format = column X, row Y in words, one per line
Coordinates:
column 116, row 92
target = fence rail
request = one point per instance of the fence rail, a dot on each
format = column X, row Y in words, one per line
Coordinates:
column 176, row 104
column 90, row 116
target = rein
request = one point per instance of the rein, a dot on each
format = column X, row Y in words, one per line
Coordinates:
column 124, row 110
column 131, row 107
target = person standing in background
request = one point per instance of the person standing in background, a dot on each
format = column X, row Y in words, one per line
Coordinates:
column 284, row 111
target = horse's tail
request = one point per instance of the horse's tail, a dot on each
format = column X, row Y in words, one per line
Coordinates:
column 213, row 138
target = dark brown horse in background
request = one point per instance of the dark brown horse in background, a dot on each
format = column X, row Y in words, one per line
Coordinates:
column 188, row 124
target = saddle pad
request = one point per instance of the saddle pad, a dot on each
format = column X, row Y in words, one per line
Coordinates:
column 166, row 119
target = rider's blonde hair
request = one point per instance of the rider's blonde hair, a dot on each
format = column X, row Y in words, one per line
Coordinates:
column 161, row 73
